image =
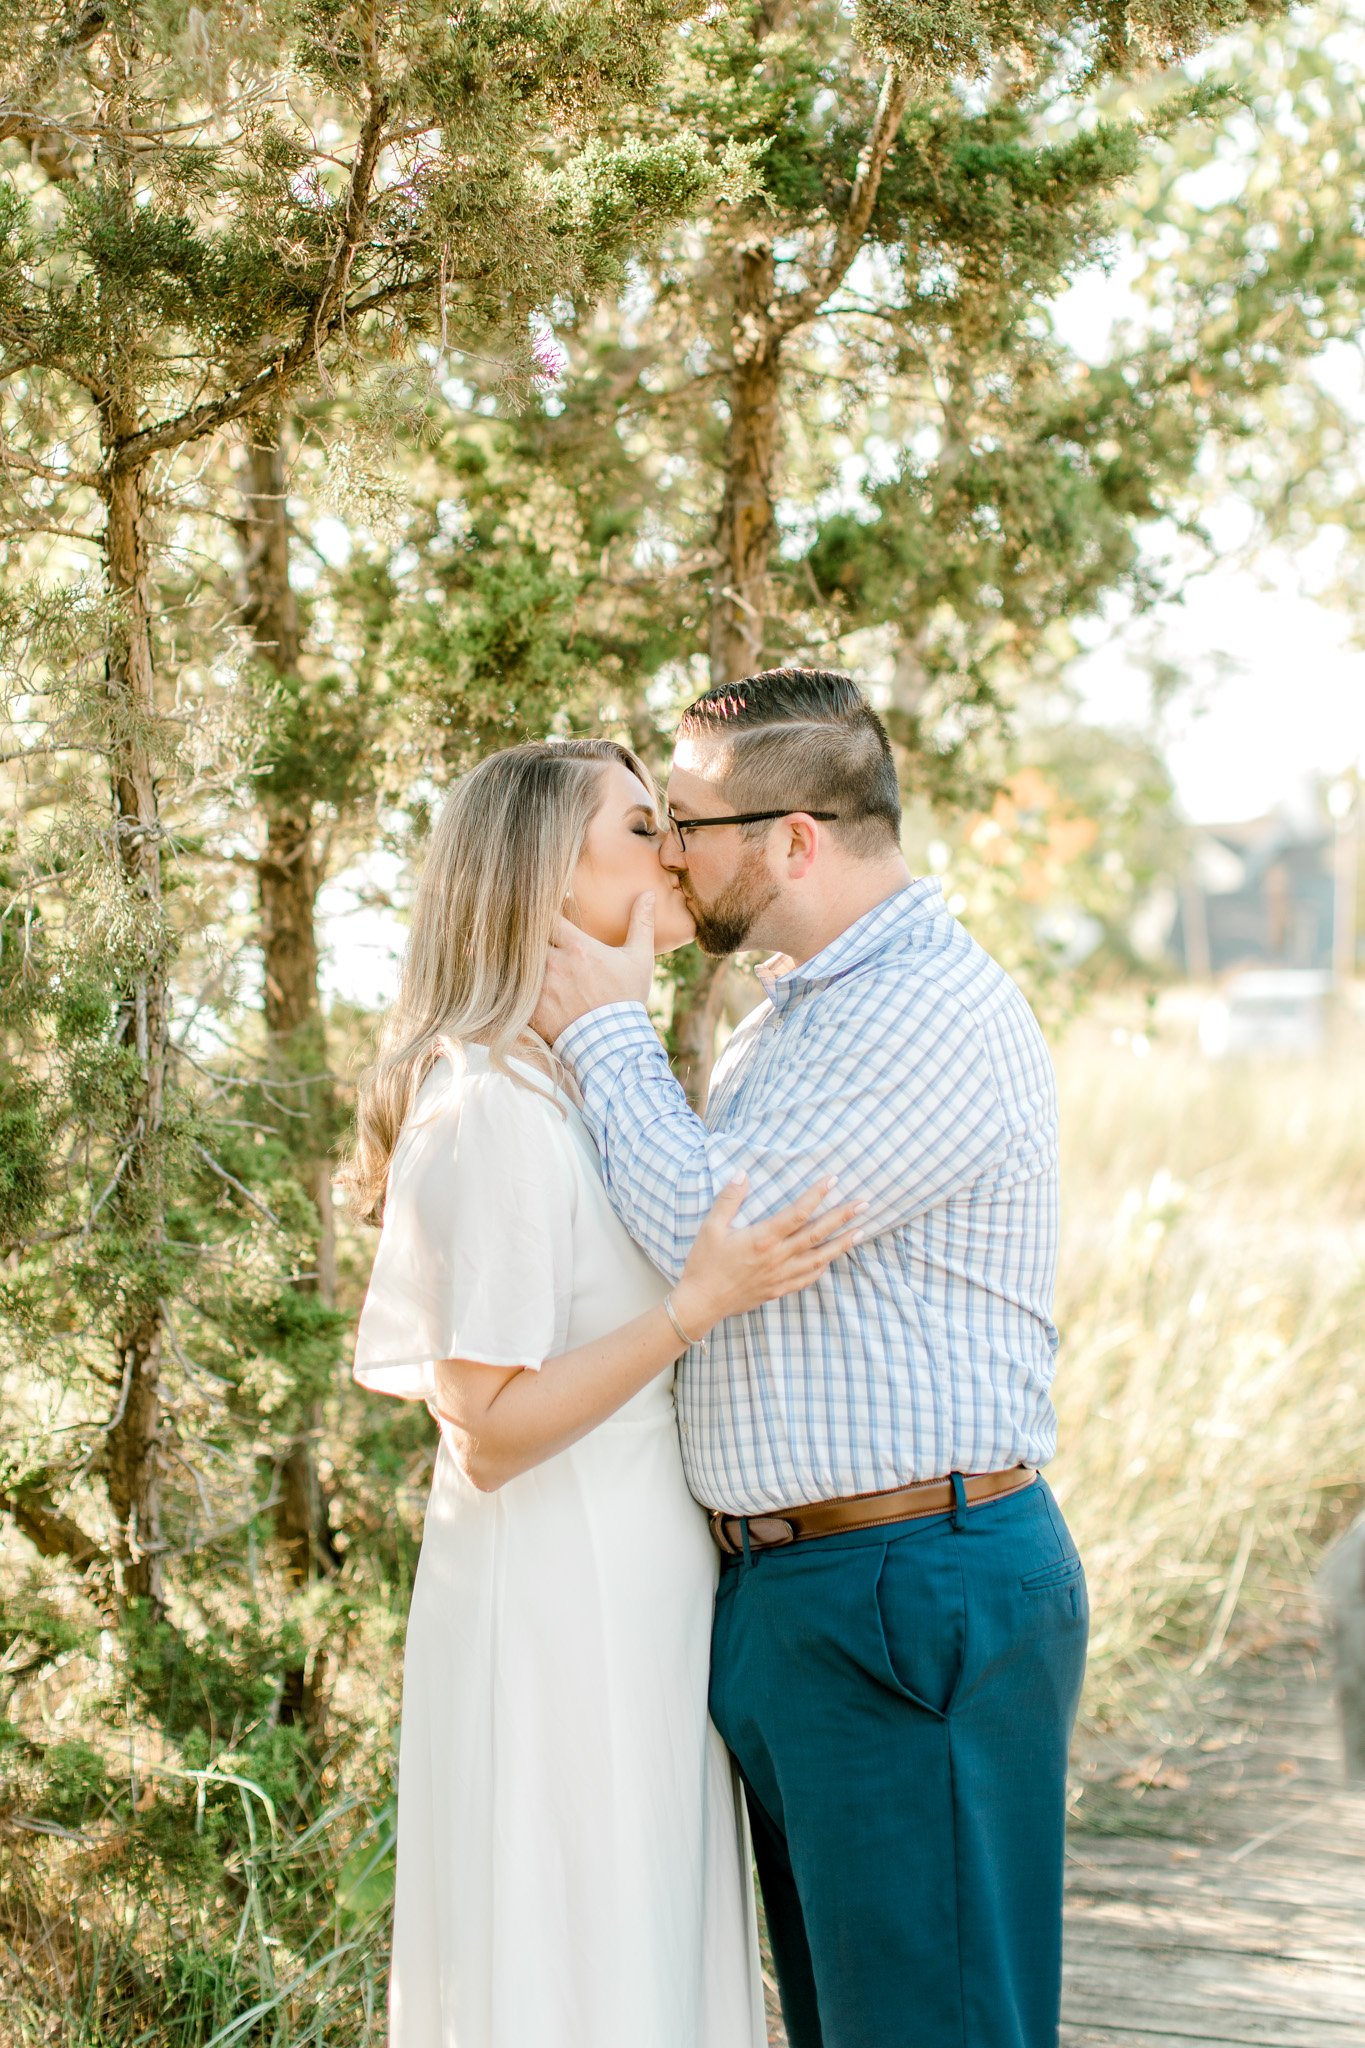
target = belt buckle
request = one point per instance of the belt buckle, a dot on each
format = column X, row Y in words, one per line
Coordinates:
column 718, row 1519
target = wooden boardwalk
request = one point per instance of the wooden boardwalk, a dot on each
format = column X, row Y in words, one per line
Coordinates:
column 1225, row 1905
column 1217, row 1899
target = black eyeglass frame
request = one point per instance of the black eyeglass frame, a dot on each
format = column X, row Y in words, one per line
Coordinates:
column 682, row 826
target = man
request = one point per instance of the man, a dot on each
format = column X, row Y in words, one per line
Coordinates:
column 901, row 1619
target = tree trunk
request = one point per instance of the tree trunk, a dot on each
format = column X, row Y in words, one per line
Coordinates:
column 697, row 1005
column 740, row 594
column 762, row 318
column 133, row 1456
column 744, row 537
column 287, row 884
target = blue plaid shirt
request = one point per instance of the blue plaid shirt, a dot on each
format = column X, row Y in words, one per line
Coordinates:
column 903, row 1059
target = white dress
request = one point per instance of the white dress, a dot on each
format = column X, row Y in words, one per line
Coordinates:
column 573, row 1866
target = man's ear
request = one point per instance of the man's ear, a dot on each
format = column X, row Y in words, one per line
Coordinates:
column 803, row 844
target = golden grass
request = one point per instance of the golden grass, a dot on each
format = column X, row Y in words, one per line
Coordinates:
column 1211, row 1384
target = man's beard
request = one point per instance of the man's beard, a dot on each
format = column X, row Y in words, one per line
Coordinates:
column 724, row 925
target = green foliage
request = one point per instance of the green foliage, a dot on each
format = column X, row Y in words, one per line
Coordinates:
column 981, row 214
column 25, row 1150
column 492, row 653
column 75, row 1784
column 621, row 197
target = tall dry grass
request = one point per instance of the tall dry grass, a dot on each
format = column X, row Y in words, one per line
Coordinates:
column 1211, row 1384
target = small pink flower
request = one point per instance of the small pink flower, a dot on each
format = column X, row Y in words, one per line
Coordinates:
column 551, row 359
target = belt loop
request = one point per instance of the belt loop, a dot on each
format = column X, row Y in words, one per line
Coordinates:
column 959, row 1500
column 744, row 1542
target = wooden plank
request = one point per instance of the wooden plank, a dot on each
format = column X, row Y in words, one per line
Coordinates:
column 1237, row 1856
column 1299, row 1842
column 1268, row 1886
column 1228, row 1862
column 1233, row 2024
column 1266, row 1990
column 1165, row 1934
column 1117, row 2032
column 1114, row 2034
column 1272, row 1888
column 1083, row 1947
column 1120, row 2033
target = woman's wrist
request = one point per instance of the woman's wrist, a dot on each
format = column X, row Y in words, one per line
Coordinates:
column 690, row 1315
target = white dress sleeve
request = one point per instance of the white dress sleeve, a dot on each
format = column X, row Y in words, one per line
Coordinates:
column 475, row 1258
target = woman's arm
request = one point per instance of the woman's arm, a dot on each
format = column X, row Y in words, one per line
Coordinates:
column 503, row 1420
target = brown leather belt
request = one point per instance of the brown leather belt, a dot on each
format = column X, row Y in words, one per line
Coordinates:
column 864, row 1510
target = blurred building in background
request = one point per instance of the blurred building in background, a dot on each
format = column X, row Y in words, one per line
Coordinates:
column 1256, row 894
column 1265, row 918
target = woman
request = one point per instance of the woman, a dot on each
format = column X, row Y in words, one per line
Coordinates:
column 572, row 1866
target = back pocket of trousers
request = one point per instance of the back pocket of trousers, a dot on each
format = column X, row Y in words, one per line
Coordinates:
column 1060, row 1572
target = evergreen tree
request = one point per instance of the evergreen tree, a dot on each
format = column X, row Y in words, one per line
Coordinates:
column 211, row 215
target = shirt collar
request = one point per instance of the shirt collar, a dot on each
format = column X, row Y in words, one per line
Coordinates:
column 882, row 929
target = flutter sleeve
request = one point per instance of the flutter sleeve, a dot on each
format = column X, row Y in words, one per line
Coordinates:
column 475, row 1255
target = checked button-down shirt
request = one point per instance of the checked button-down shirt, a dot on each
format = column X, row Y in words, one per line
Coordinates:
column 903, row 1059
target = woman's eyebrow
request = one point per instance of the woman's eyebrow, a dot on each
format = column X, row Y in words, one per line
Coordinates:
column 642, row 811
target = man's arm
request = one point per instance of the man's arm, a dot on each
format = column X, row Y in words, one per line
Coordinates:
column 901, row 1105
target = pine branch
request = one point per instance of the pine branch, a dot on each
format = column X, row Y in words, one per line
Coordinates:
column 799, row 307
column 47, row 140
column 45, row 748
column 328, row 313
column 19, row 364
column 48, row 145
column 69, row 479
column 204, row 1539
column 233, row 1182
column 16, row 529
column 54, row 1534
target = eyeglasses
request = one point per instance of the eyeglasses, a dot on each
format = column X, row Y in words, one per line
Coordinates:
column 682, row 826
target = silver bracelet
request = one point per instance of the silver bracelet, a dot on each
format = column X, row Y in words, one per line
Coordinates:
column 671, row 1313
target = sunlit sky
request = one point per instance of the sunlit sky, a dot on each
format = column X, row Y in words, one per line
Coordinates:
column 1275, row 692
column 1275, row 701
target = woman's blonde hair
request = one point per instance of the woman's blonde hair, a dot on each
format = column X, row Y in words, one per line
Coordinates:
column 497, row 874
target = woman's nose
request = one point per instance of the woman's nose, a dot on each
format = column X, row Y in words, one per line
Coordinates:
column 672, row 850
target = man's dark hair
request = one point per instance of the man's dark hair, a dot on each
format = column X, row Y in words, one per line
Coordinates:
column 806, row 739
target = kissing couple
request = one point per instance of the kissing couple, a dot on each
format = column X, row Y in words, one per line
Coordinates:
column 738, row 1549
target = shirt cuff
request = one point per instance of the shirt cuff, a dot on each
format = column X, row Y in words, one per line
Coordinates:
column 605, row 1034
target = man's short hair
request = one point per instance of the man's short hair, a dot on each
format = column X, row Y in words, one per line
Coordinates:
column 806, row 739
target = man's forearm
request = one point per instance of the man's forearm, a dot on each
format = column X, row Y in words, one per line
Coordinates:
column 902, row 1129
column 661, row 1166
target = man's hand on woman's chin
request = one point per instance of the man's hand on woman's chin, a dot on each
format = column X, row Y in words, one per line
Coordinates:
column 582, row 974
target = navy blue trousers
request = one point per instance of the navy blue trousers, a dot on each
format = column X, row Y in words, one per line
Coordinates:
column 900, row 1703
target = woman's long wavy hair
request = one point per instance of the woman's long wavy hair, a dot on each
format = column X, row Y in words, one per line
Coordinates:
column 497, row 874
